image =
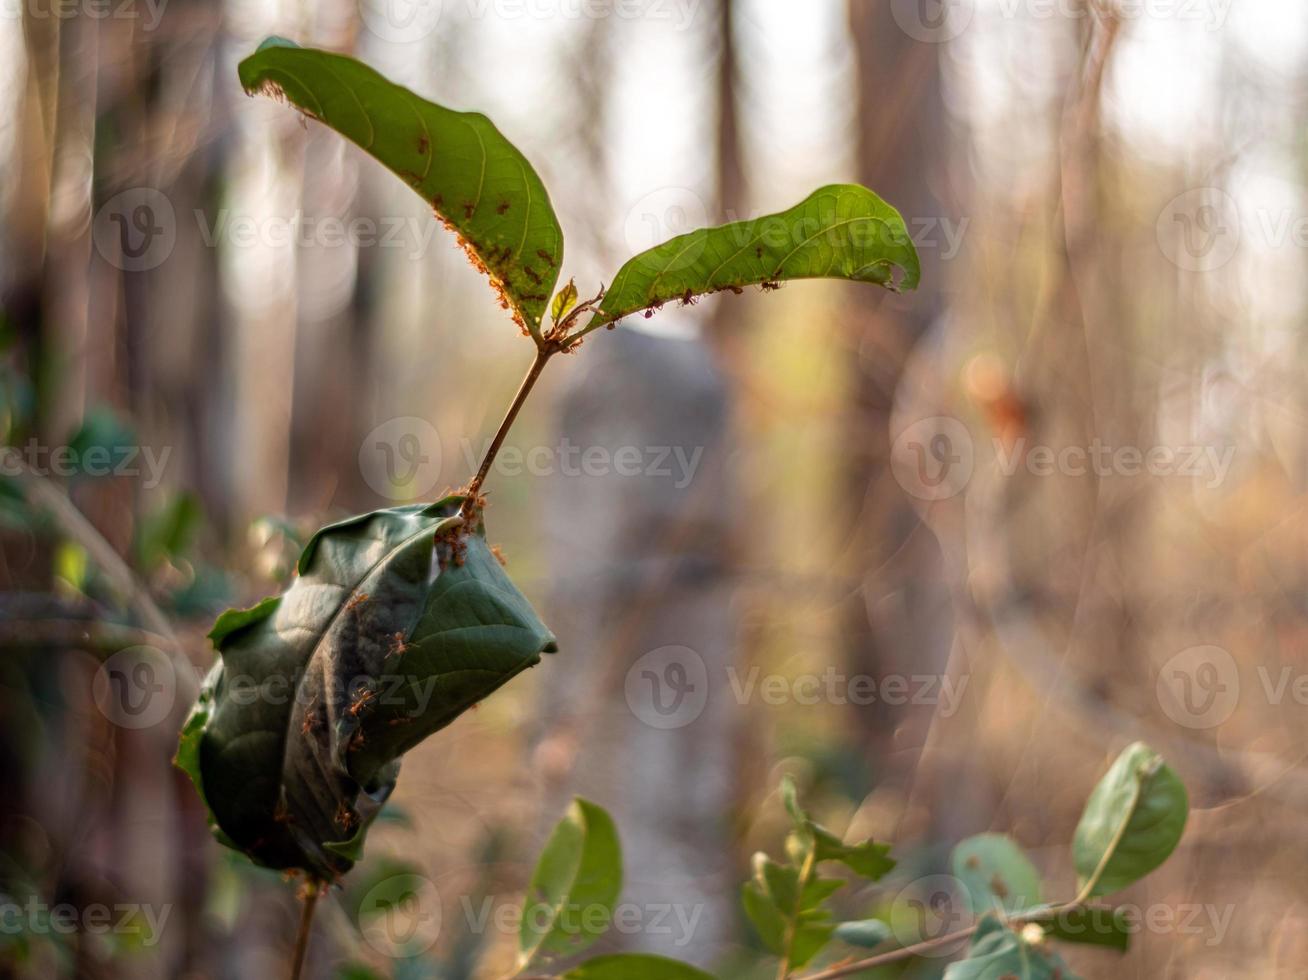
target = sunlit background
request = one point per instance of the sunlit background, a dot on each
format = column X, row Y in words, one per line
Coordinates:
column 1048, row 504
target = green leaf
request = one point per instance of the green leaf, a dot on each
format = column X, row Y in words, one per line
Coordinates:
column 564, row 301
column 773, row 900
column 388, row 634
column 635, row 966
column 998, row 953
column 108, row 439
column 575, row 885
column 842, row 231
column 1132, row 822
column 868, row 858
column 867, row 933
column 167, row 533
column 764, row 916
column 477, row 182
column 1092, row 926
column 996, row 874
column 780, row 882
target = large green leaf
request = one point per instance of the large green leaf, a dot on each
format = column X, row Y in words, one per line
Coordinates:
column 395, row 625
column 842, row 231
column 575, row 885
column 1132, row 822
column 635, row 966
column 996, row 874
column 478, row 182
column 998, row 953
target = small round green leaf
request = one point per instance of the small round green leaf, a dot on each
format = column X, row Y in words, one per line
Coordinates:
column 996, row 873
column 867, row 933
column 1132, row 822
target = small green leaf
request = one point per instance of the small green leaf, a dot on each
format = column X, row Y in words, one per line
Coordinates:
column 764, row 916
column 773, row 900
column 1131, row 824
column 998, row 953
column 635, row 966
column 477, row 182
column 996, row 874
column 564, row 301
column 867, row 933
column 167, row 533
column 1092, row 926
column 102, row 442
column 842, row 231
column 575, row 885
column 780, row 882
column 867, row 858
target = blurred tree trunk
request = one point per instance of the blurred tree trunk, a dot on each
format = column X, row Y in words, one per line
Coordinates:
column 898, row 622
column 643, row 609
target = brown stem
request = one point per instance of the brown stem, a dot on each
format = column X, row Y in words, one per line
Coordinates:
column 311, row 891
column 893, row 956
column 904, row 952
column 543, row 354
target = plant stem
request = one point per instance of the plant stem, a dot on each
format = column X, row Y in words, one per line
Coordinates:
column 805, row 872
column 904, row 952
column 311, row 891
column 543, row 354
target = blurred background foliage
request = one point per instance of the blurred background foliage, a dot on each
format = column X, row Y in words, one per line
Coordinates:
column 1109, row 199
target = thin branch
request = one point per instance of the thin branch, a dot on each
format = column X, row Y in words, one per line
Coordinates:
column 904, row 952
column 893, row 956
column 474, row 488
column 49, row 496
column 310, row 893
column 792, row 927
